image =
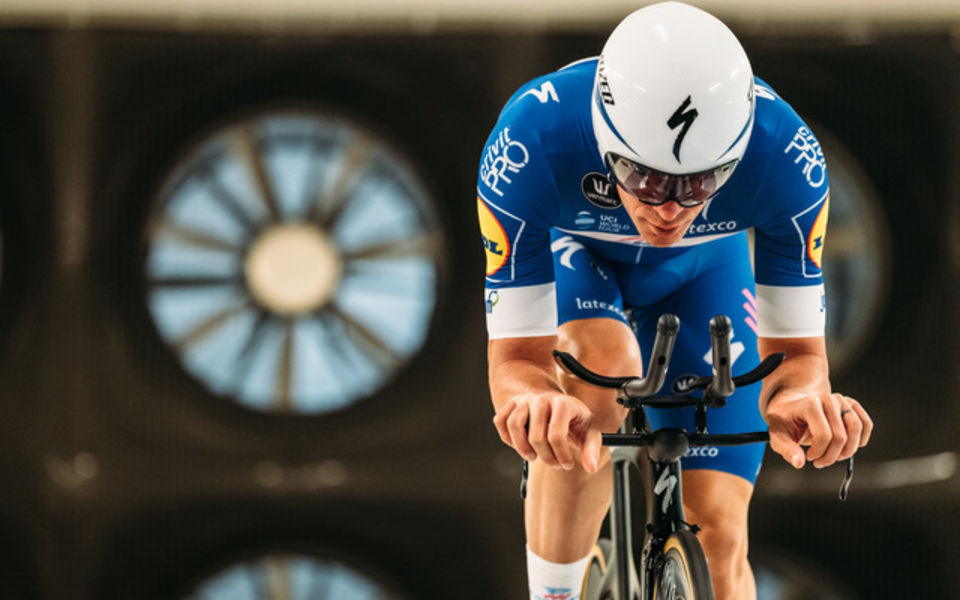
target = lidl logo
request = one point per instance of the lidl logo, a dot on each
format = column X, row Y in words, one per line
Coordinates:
column 811, row 227
column 817, row 233
column 496, row 244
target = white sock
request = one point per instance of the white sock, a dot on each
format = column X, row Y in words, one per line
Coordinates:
column 555, row 581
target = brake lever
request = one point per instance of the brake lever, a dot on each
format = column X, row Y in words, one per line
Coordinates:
column 847, row 480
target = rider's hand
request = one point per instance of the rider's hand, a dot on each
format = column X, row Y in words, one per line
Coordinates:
column 551, row 427
column 834, row 426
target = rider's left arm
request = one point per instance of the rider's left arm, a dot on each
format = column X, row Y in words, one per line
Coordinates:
column 801, row 409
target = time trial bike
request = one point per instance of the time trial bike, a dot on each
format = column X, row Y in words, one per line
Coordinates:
column 672, row 563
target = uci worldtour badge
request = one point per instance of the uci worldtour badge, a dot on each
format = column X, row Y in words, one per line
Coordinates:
column 599, row 191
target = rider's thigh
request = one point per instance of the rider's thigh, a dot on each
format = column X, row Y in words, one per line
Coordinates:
column 606, row 346
column 593, row 325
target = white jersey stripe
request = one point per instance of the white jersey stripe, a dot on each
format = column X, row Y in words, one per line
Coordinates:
column 527, row 311
column 637, row 240
column 790, row 311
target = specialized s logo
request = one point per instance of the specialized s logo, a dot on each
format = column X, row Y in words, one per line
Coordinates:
column 685, row 118
column 665, row 483
column 496, row 244
column 545, row 94
column 817, row 233
column 567, row 246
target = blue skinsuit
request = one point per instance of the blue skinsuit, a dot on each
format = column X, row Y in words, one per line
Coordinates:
column 560, row 246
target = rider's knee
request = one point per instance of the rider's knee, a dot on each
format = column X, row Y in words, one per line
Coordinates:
column 607, row 347
column 724, row 541
column 608, row 416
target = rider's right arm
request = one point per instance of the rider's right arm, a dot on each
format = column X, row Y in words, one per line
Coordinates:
column 534, row 415
column 517, row 204
column 521, row 365
column 516, row 207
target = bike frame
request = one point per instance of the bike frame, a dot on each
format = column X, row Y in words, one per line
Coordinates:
column 660, row 472
column 657, row 453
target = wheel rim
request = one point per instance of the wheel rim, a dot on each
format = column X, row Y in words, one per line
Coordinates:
column 673, row 582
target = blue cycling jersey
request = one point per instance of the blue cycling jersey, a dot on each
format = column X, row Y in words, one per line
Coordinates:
column 543, row 192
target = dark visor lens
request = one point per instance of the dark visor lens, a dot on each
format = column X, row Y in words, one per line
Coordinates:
column 656, row 187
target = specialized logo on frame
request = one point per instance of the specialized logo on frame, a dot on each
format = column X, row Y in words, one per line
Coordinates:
column 665, row 483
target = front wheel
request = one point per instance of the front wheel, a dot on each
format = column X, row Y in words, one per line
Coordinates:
column 684, row 574
column 596, row 569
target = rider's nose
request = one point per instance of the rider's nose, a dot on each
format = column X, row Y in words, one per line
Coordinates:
column 668, row 211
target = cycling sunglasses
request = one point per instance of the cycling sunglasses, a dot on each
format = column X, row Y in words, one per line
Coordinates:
column 656, row 187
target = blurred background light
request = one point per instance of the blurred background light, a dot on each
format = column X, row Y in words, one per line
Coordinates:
column 292, row 261
column 290, row 577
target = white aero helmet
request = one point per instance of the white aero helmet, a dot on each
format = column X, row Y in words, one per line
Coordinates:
column 673, row 91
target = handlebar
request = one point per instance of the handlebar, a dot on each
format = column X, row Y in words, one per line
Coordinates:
column 642, row 391
column 635, row 387
column 635, row 392
column 695, row 439
column 721, row 331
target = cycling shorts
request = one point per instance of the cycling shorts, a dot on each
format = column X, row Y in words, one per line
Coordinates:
column 694, row 283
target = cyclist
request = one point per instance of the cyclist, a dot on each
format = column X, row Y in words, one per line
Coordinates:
column 621, row 187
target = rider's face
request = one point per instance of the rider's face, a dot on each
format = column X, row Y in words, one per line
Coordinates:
column 661, row 225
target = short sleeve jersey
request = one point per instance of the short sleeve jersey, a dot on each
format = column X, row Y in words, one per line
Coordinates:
column 541, row 170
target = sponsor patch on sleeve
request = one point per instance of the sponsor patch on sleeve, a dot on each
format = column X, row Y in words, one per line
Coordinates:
column 807, row 154
column 811, row 226
column 500, row 232
column 503, row 160
column 818, row 232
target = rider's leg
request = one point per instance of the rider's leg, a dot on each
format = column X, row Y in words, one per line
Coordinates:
column 565, row 509
column 718, row 503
